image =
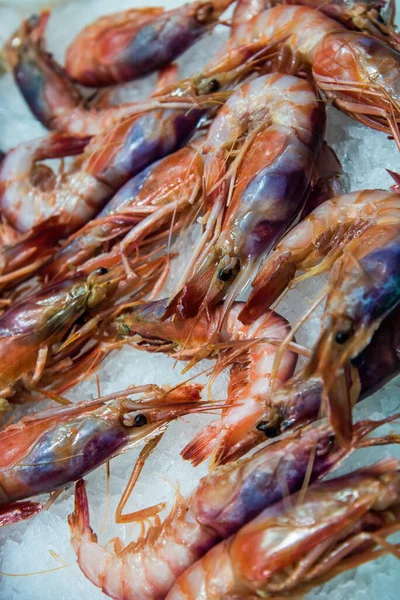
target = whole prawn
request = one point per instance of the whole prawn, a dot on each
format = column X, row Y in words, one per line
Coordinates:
column 32, row 327
column 249, row 384
column 361, row 16
column 272, row 131
column 294, row 546
column 300, row 399
column 359, row 74
column 151, row 199
column 129, row 44
column 52, row 448
column 225, row 499
column 316, row 242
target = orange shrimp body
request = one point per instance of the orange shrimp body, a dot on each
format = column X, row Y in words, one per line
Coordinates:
column 30, row 328
column 249, row 383
column 273, row 127
column 52, row 448
column 293, row 546
column 147, row 203
column 360, row 74
column 316, row 242
column 126, row 45
column 225, row 499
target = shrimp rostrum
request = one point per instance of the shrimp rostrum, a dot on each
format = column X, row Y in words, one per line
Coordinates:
column 294, row 546
column 357, row 72
column 53, row 448
column 260, row 153
column 225, row 500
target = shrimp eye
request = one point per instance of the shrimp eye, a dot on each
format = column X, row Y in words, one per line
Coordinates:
column 204, row 13
column 140, row 420
column 213, row 85
column 270, row 431
column 342, row 337
column 224, row 275
column 102, row 271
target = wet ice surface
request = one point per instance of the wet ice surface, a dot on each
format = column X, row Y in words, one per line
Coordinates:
column 43, row 543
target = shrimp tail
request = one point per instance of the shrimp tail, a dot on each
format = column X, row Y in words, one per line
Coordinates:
column 18, row 511
column 79, row 520
column 271, row 281
column 203, row 444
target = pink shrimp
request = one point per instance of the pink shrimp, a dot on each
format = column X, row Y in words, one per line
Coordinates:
column 260, row 155
column 225, row 499
column 126, row 45
column 294, row 546
column 249, row 383
column 52, row 448
column 358, row 73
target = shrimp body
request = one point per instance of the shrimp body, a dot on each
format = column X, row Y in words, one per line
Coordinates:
column 225, row 499
column 280, row 125
column 249, row 383
column 126, row 45
column 30, row 193
column 360, row 74
column 291, row 547
column 50, row 449
column 49, row 92
column 31, row 327
column 316, row 242
column 154, row 195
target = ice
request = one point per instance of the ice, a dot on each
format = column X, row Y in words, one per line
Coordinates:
column 43, row 544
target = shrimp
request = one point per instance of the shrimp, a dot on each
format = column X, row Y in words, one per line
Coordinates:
column 225, row 500
column 31, row 328
column 361, row 16
column 317, row 242
column 294, row 546
column 299, row 400
column 126, row 45
column 273, row 127
column 249, row 383
column 364, row 289
column 50, row 94
column 52, row 448
column 357, row 73
column 156, row 194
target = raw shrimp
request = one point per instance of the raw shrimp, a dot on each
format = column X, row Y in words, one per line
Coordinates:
column 299, row 400
column 274, row 128
column 52, row 97
column 53, row 448
column 315, row 243
column 31, row 328
column 359, row 74
column 126, row 45
column 364, row 289
column 142, row 205
column 362, row 16
column 295, row 545
column 225, row 499
column 249, row 383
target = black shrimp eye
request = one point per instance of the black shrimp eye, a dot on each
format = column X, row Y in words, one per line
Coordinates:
column 140, row 420
column 204, row 13
column 213, row 85
column 102, row 271
column 224, row 275
column 270, row 431
column 342, row 337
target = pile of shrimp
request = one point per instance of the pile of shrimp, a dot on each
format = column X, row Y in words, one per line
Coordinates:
column 94, row 215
